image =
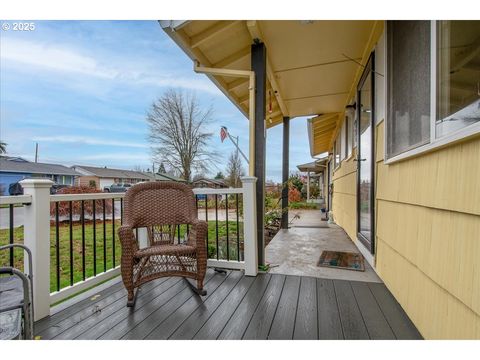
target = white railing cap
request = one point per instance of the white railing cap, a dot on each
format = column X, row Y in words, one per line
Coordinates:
column 218, row 191
column 16, row 199
column 248, row 179
column 36, row 183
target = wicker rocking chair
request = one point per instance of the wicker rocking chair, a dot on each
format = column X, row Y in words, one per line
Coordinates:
column 161, row 207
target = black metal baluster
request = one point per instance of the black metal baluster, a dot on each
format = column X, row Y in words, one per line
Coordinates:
column 238, row 230
column 178, row 233
column 113, row 233
column 83, row 238
column 11, row 232
column 121, row 211
column 70, row 220
column 57, row 246
column 104, row 238
column 94, row 210
column 226, row 223
column 196, row 203
column 216, row 222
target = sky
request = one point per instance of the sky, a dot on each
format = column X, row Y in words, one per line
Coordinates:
column 82, row 89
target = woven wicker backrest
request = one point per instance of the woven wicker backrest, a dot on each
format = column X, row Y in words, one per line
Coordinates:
column 159, row 203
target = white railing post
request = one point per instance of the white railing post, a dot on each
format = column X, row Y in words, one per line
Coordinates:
column 250, row 225
column 37, row 239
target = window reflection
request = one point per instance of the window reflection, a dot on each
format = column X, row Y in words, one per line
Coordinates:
column 365, row 156
column 458, row 75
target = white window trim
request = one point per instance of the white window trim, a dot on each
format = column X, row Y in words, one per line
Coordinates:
column 343, row 141
column 435, row 143
column 335, row 164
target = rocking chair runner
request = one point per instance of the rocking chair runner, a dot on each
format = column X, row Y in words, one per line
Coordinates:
column 161, row 207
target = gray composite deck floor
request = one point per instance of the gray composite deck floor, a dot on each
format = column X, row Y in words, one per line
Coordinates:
column 237, row 307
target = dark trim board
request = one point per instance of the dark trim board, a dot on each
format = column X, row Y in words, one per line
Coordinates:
column 285, row 170
column 259, row 66
column 268, row 306
column 369, row 70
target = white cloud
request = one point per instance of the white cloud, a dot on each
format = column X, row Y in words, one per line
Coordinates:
column 88, row 141
column 53, row 58
column 57, row 58
column 116, row 156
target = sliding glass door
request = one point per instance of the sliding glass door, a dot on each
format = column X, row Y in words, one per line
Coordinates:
column 365, row 157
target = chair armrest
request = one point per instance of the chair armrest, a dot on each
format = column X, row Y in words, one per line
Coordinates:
column 127, row 238
column 25, row 249
column 198, row 234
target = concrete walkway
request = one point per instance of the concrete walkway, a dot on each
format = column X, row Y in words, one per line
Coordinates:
column 297, row 250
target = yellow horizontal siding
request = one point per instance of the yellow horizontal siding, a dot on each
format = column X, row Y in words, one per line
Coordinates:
column 428, row 237
column 344, row 196
column 444, row 179
column 443, row 245
column 435, row 312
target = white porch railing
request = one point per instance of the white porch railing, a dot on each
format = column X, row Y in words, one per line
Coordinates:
column 37, row 200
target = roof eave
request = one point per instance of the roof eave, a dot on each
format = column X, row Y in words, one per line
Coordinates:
column 171, row 32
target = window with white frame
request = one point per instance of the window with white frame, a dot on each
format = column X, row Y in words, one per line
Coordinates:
column 433, row 83
column 336, row 149
column 408, row 87
column 458, row 77
column 343, row 137
column 349, row 136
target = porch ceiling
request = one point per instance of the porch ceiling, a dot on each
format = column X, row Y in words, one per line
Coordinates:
column 309, row 64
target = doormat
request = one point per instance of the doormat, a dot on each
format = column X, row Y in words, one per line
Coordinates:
column 342, row 260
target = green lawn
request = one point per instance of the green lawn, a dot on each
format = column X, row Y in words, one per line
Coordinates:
column 101, row 263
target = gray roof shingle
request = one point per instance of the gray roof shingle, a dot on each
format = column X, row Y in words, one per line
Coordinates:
column 104, row 172
column 13, row 165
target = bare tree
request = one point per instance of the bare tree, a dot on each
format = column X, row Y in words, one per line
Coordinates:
column 177, row 133
column 234, row 169
column 3, row 147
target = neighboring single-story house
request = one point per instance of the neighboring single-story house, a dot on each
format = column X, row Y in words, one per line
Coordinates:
column 209, row 183
column 104, row 177
column 14, row 169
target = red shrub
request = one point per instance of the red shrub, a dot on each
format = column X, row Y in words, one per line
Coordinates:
column 294, row 195
column 64, row 207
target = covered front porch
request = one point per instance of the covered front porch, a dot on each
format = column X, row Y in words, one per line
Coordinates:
column 256, row 64
column 268, row 306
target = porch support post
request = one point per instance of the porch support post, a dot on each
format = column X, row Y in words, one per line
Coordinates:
column 285, row 166
column 37, row 239
column 259, row 67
